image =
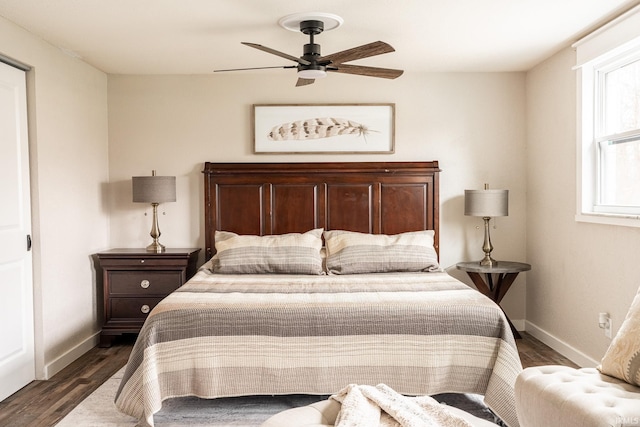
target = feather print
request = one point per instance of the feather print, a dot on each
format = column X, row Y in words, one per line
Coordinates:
column 316, row 128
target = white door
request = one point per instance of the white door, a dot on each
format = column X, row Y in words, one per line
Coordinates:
column 17, row 366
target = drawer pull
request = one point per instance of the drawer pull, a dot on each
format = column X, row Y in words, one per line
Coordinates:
column 144, row 309
column 141, row 261
column 144, row 284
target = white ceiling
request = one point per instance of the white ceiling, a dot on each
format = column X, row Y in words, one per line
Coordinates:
column 198, row 36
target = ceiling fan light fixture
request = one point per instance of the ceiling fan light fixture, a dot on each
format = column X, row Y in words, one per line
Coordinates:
column 292, row 22
column 312, row 74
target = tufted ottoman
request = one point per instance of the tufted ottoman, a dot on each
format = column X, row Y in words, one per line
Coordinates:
column 549, row 396
column 324, row 414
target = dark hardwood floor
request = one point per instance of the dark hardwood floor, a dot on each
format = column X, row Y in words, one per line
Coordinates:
column 535, row 353
column 45, row 403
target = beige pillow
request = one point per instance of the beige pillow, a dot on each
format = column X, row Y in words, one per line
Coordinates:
column 622, row 359
column 293, row 253
column 349, row 252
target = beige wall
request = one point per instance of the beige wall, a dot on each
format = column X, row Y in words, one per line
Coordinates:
column 581, row 269
column 473, row 124
column 69, row 166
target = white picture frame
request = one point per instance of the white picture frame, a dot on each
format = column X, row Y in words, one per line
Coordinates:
column 324, row 128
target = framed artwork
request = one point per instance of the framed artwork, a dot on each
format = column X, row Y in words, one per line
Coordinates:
column 323, row 128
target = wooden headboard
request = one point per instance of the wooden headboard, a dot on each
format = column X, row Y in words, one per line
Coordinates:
column 277, row 198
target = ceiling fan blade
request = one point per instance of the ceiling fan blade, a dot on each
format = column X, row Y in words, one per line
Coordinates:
column 277, row 53
column 364, row 51
column 385, row 73
column 304, row 82
column 255, row 68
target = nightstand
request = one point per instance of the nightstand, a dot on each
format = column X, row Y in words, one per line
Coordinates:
column 505, row 272
column 134, row 281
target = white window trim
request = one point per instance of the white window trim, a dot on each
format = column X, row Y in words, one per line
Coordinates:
column 602, row 46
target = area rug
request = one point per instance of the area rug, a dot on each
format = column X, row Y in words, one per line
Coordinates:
column 98, row 410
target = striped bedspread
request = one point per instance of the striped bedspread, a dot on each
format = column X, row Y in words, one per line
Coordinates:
column 234, row 335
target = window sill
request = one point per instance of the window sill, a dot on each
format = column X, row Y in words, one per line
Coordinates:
column 609, row 219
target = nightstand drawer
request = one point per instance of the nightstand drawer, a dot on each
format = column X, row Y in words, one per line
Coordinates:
column 132, row 308
column 144, row 282
column 141, row 262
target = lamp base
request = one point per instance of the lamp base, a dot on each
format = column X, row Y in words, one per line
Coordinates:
column 487, row 247
column 487, row 261
column 156, row 247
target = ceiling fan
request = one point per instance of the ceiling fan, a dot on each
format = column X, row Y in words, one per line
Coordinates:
column 312, row 65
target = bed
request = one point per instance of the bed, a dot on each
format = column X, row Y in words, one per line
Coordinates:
column 386, row 312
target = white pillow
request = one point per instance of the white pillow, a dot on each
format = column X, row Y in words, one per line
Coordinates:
column 622, row 359
column 349, row 252
column 293, row 253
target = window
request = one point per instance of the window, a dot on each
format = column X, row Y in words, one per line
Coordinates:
column 609, row 131
column 617, row 137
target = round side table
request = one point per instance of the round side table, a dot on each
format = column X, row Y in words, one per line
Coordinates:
column 496, row 281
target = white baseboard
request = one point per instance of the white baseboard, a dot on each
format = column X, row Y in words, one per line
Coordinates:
column 571, row 353
column 55, row 366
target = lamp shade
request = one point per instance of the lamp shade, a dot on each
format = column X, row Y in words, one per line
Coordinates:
column 154, row 189
column 486, row 203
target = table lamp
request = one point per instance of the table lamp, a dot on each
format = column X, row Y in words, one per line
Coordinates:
column 486, row 204
column 155, row 190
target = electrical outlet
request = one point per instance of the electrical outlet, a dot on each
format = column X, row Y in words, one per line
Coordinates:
column 604, row 321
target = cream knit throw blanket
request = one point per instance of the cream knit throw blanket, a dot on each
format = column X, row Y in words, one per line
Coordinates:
column 380, row 406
